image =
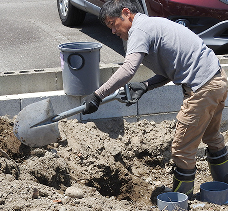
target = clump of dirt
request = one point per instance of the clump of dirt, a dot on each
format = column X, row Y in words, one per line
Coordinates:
column 108, row 164
column 9, row 143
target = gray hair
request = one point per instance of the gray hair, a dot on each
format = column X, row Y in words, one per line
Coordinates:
column 113, row 8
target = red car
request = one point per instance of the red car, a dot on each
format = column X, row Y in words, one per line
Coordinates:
column 207, row 18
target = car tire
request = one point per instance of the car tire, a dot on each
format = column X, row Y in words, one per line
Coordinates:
column 70, row 15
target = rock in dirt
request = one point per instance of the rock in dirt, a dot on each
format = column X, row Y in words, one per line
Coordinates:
column 74, row 192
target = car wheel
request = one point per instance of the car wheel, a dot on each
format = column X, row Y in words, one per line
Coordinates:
column 70, row 15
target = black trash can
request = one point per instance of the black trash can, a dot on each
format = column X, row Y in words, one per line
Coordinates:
column 80, row 67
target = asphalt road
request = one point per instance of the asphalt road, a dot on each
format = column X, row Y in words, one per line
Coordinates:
column 30, row 32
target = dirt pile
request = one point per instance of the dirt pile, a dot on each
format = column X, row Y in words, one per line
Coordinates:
column 102, row 165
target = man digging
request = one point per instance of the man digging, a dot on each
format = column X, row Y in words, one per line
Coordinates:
column 173, row 53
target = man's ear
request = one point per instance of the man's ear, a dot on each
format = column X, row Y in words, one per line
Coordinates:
column 126, row 12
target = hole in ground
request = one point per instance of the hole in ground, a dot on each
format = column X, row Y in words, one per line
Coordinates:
column 8, row 73
column 121, row 182
column 113, row 183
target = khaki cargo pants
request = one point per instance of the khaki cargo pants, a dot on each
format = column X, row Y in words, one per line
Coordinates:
column 199, row 119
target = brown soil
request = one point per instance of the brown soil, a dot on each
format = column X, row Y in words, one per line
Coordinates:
column 109, row 164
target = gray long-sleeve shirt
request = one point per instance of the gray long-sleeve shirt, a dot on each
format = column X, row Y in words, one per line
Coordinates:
column 169, row 50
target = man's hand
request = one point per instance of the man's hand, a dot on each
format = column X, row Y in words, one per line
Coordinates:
column 137, row 89
column 92, row 103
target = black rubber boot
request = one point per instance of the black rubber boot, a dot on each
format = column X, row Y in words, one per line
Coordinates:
column 183, row 181
column 218, row 163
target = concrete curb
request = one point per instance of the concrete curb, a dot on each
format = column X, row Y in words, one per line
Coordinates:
column 157, row 105
column 160, row 104
column 50, row 79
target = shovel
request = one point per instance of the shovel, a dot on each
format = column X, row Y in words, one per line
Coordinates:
column 36, row 125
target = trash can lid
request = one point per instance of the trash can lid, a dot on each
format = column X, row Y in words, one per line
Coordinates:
column 80, row 46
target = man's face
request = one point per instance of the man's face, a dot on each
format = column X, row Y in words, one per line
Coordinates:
column 120, row 25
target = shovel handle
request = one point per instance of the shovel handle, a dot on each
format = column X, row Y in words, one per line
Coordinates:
column 81, row 108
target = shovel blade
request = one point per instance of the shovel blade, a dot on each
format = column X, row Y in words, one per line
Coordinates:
column 31, row 115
